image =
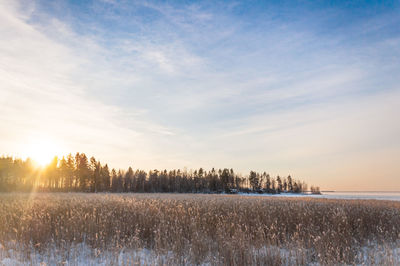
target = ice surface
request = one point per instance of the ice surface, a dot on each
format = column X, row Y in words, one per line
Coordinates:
column 395, row 196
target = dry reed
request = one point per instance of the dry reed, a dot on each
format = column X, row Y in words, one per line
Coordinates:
column 196, row 229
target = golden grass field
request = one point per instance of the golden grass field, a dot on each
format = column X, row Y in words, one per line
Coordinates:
column 126, row 229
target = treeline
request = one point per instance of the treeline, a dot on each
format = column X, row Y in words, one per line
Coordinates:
column 80, row 174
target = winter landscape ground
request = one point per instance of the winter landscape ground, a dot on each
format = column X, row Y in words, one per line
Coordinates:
column 199, row 132
column 182, row 229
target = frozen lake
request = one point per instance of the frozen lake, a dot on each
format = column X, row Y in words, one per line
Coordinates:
column 361, row 195
column 341, row 195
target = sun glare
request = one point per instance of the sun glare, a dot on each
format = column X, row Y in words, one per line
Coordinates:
column 42, row 151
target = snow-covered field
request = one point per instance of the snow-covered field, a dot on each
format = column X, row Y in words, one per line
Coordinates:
column 187, row 229
column 395, row 196
column 361, row 195
column 81, row 254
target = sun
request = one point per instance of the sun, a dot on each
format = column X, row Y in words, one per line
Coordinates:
column 42, row 151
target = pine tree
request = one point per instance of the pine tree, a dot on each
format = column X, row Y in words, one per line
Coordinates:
column 105, row 179
column 279, row 184
column 128, row 180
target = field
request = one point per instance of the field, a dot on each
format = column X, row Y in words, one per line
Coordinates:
column 132, row 229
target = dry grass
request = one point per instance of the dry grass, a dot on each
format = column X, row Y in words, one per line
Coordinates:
column 215, row 229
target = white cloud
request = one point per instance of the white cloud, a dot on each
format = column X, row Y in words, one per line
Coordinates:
column 39, row 96
column 195, row 87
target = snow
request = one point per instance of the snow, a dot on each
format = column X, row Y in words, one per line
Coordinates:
column 394, row 196
column 10, row 262
column 82, row 254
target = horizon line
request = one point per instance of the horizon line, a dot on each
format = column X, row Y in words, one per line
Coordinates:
column 362, row 191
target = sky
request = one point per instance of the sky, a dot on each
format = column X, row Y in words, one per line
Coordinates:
column 306, row 88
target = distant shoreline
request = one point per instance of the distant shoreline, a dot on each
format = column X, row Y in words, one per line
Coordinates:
column 353, row 191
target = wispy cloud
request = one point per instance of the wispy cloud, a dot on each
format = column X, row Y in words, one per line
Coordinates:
column 235, row 85
column 45, row 91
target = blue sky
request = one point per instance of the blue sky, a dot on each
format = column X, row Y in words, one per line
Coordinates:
column 308, row 88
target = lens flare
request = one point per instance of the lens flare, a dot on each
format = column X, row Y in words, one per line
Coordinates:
column 42, row 151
